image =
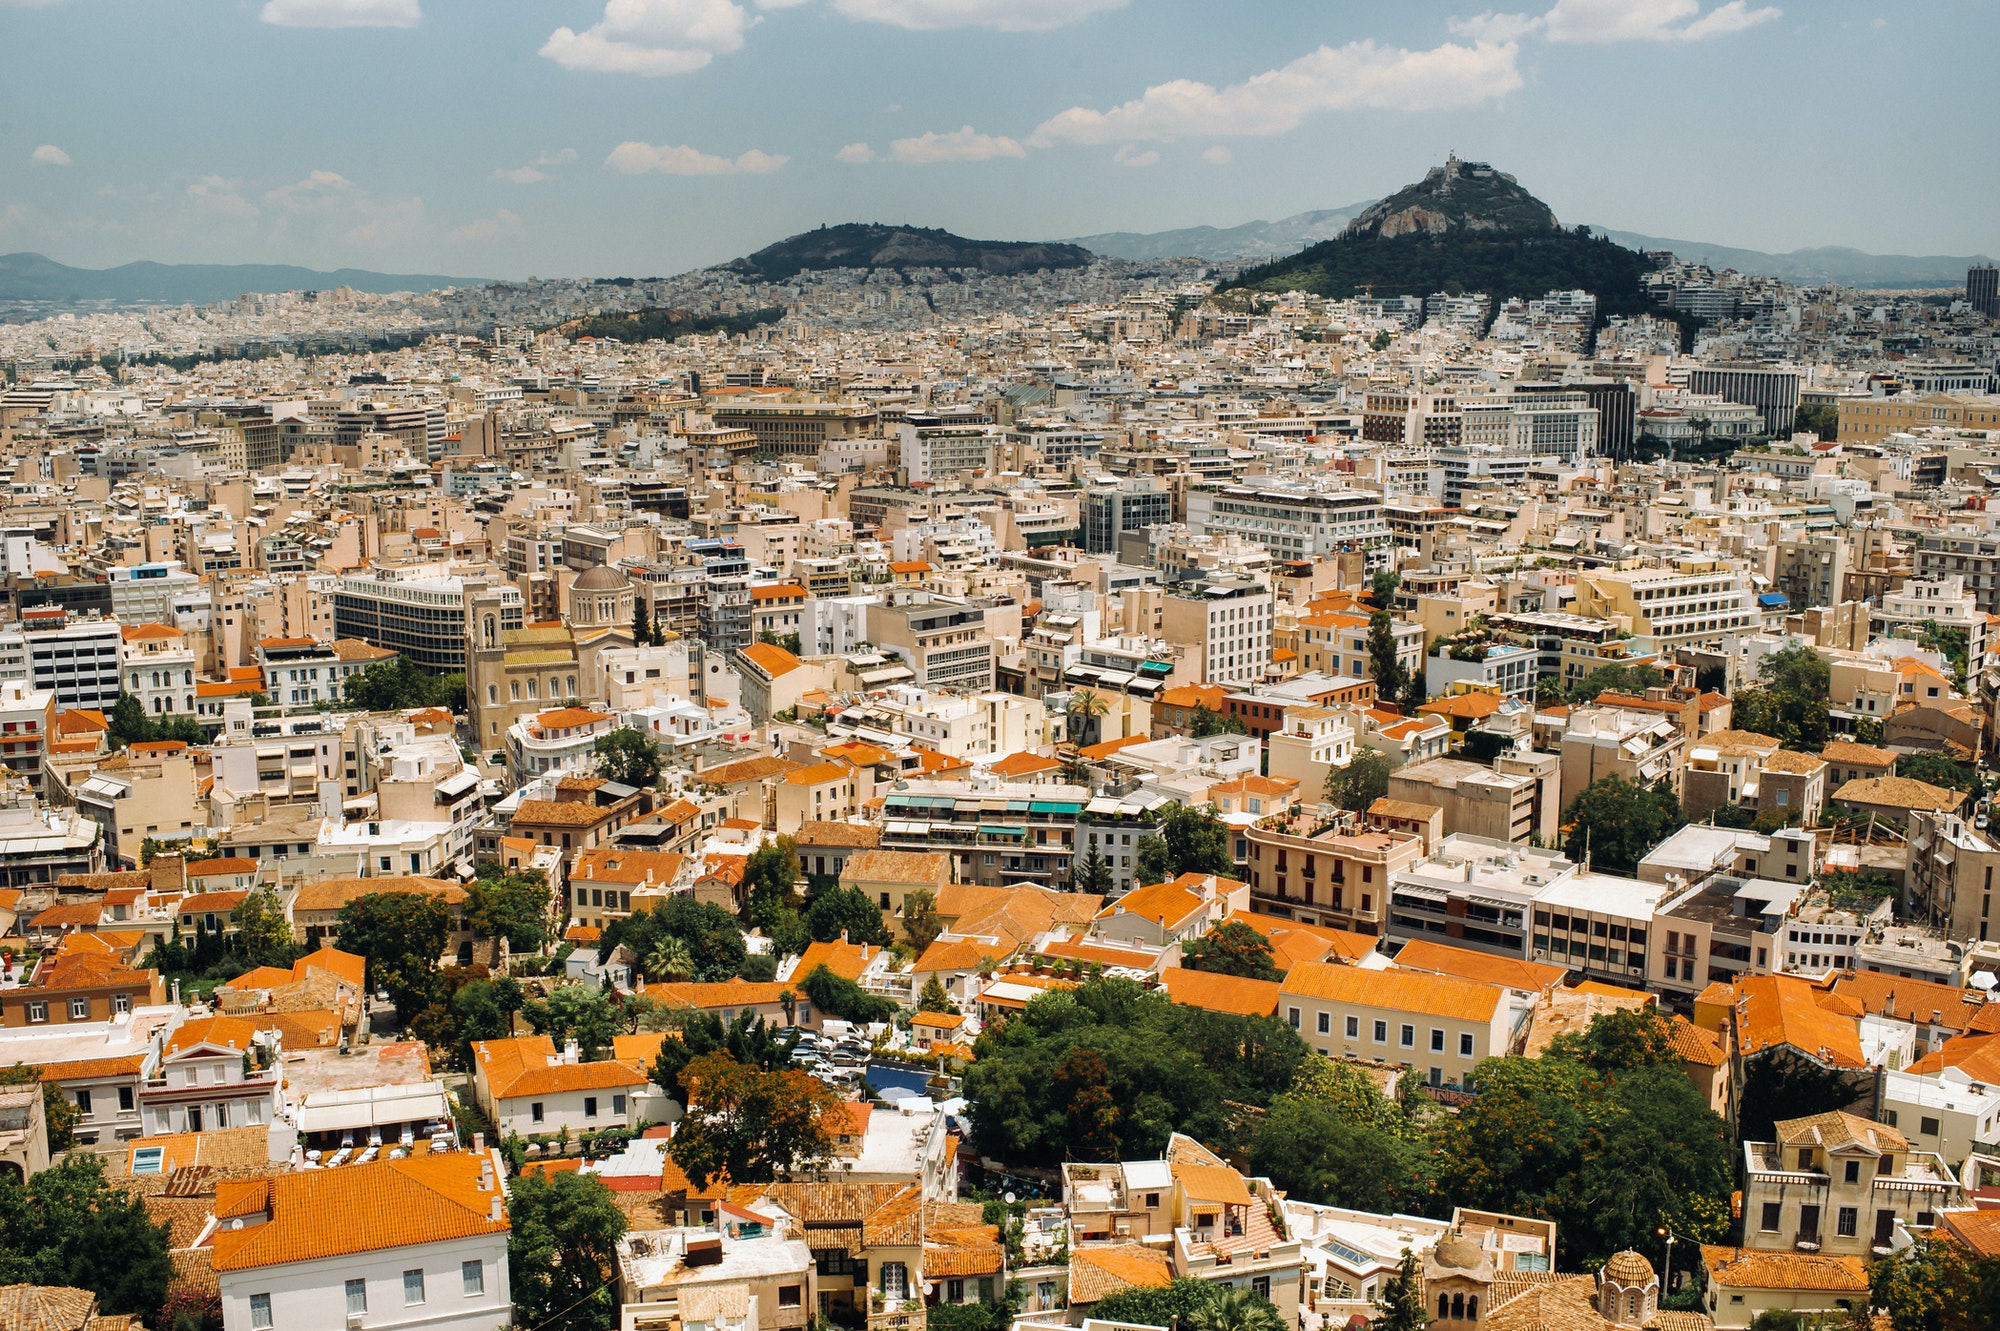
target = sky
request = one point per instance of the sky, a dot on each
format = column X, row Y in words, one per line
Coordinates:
column 515, row 138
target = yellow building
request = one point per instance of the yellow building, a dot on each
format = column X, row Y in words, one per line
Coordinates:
column 1693, row 600
column 1871, row 419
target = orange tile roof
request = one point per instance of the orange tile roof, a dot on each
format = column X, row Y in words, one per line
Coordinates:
column 529, row 1065
column 1098, row 1270
column 1395, row 991
column 846, row 960
column 562, row 718
column 723, row 994
column 149, row 632
column 1023, row 764
column 322, row 1213
column 221, row 903
column 1743, row 1268
column 1465, row 706
column 88, row 1069
column 778, row 591
column 1168, row 904
column 1898, row 792
column 226, row 864
column 1233, row 994
column 222, row 1032
column 1212, row 1183
column 81, row 721
column 558, row 813
column 615, row 864
column 1783, row 1009
column 1911, row 1000
column 1292, row 942
column 1695, row 1044
column 770, row 658
column 1111, row 746
column 1443, row 959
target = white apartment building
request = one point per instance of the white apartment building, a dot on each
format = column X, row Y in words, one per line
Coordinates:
column 418, row 1242
column 156, row 593
column 79, row 662
column 562, row 739
column 936, row 452
column 1944, row 602
column 1229, row 621
column 1697, row 600
column 159, row 669
column 1290, row 522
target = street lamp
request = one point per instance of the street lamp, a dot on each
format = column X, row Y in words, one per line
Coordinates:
column 1666, row 1274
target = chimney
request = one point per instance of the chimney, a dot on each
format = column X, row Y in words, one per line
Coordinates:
column 494, row 1213
column 571, row 1053
column 479, row 1142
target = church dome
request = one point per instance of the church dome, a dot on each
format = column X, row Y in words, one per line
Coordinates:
column 1628, row 1268
column 601, row 578
column 1458, row 1252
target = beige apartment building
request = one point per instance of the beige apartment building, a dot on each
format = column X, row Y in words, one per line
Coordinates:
column 1695, row 600
column 1439, row 1026
column 1868, row 420
column 1949, row 878
column 1602, row 742
column 1321, row 874
column 1513, row 800
column 1840, row 1185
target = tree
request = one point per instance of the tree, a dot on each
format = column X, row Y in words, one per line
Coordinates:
column 263, row 933
column 484, row 1010
column 935, row 999
column 714, row 936
column 750, row 1125
column 1084, row 710
column 68, row 1226
column 1614, row 823
column 59, row 1113
column 1382, row 587
column 921, row 922
column 451, row 691
column 510, row 905
column 1171, row 1304
column 1196, row 842
column 642, row 627
column 1401, row 1298
column 1205, row 722
column 1232, row 948
column 1609, row 1150
column 629, row 756
column 1627, row 679
column 1166, row 1068
column 1937, row 770
column 841, row 997
column 1236, row 1308
column 562, row 1251
column 129, row 722
column 1937, row 1285
column 749, row 1040
column 1361, row 782
column 1309, row 1148
column 1092, row 874
column 1389, row 673
column 402, row 934
column 1153, row 864
column 584, row 1013
column 396, row 684
column 846, row 910
column 1790, row 702
column 770, row 876
column 1781, row 1085
column 669, row 962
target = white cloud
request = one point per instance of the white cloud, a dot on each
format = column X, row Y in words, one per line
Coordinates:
column 503, row 225
column 1000, row 15
column 855, row 154
column 634, row 159
column 49, row 155
column 652, row 37
column 961, row 145
column 533, row 173
column 342, row 13
column 328, row 206
column 1219, row 155
column 1601, row 21
column 1360, row 74
column 1131, row 156
column 1492, row 27
column 220, row 196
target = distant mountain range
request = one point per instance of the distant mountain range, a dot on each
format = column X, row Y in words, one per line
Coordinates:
column 1252, row 240
column 36, row 277
column 1810, row 267
column 873, row 245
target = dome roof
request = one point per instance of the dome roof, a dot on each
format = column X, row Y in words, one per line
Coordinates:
column 1459, row 1252
column 600, row 578
column 1628, row 1268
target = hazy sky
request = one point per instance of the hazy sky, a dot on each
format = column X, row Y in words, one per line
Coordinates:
column 641, row 137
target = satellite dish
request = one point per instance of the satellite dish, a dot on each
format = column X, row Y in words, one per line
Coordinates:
column 1984, row 981
column 1010, row 1199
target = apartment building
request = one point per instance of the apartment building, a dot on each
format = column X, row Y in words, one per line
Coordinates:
column 1291, row 522
column 1476, row 893
column 1438, row 1026
column 797, row 429
column 1697, row 600
column 1869, row 420
column 1840, row 1185
column 1324, row 872
column 1514, row 800
column 1602, row 742
column 1003, row 833
column 422, row 611
column 943, row 640
column 1230, row 621
column 1948, row 879
column 1944, row 602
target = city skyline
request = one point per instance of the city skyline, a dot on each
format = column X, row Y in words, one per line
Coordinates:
column 646, row 137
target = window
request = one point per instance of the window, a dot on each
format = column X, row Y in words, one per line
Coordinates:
column 1465, row 1044
column 472, row 1278
column 590, row 1106
column 1853, row 1172
column 1381, row 1032
column 954, row 1291
column 1773, row 1211
column 1292, row 1017
column 1045, row 1293
column 125, row 1099
column 1847, row 1221
column 790, row 1296
column 413, row 1287
column 260, row 1311
column 38, row 1012
column 618, row 1105
column 1261, row 1286
column 1354, row 1028
column 79, row 1009
column 1325, row 1023
column 83, row 1103
column 1927, row 1126
column 357, row 1297
column 1437, row 1040
column 535, row 1112
column 1409, row 1036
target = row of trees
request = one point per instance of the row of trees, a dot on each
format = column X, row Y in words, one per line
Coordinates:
column 1603, row 1133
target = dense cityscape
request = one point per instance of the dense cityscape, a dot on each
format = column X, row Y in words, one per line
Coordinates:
column 1440, row 775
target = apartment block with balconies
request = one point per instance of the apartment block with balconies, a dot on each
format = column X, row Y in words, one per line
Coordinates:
column 1840, row 1185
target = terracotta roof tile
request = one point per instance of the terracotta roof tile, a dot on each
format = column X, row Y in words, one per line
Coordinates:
column 316, row 1214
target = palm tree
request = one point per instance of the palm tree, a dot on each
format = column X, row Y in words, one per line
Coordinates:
column 1084, row 708
column 1235, row 1308
column 670, row 960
